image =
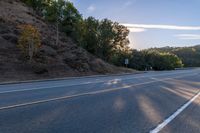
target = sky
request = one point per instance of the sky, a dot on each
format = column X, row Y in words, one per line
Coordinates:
column 152, row 23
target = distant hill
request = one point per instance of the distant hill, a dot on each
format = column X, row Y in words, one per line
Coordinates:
column 65, row 59
column 190, row 56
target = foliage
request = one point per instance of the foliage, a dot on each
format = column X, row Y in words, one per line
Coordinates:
column 90, row 35
column 190, row 56
column 37, row 5
column 105, row 39
column 108, row 40
column 147, row 59
column 29, row 40
column 65, row 14
column 118, row 58
column 61, row 11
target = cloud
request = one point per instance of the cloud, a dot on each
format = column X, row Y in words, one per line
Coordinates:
column 91, row 8
column 188, row 36
column 164, row 27
column 137, row 29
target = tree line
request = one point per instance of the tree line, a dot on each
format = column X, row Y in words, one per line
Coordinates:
column 155, row 60
column 190, row 56
column 105, row 39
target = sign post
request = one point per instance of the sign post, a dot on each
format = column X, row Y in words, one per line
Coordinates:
column 126, row 62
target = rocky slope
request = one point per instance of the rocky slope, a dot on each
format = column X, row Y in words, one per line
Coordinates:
column 66, row 59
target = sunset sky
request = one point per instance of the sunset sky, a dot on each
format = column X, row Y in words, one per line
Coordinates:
column 153, row 23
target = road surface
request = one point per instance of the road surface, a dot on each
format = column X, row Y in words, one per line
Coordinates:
column 165, row 102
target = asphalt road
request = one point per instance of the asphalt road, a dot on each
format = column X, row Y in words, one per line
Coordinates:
column 166, row 102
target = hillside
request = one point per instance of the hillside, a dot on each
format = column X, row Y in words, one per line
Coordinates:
column 190, row 56
column 64, row 59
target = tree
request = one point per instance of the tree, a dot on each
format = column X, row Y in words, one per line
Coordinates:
column 189, row 55
column 64, row 15
column 29, row 40
column 106, row 39
column 90, row 35
column 121, row 40
column 72, row 21
column 138, row 60
column 37, row 5
column 120, row 49
column 145, row 59
column 54, row 13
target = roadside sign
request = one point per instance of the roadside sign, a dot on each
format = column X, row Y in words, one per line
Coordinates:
column 126, row 62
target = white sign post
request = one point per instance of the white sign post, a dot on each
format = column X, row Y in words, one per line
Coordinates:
column 126, row 62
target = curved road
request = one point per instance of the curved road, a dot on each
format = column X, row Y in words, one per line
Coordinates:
column 166, row 102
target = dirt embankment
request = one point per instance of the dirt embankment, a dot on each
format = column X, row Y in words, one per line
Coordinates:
column 65, row 59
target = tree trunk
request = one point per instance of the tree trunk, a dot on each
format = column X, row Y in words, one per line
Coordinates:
column 57, row 33
column 31, row 48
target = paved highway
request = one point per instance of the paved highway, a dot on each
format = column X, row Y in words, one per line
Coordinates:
column 166, row 102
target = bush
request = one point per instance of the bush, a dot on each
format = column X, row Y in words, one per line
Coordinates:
column 29, row 41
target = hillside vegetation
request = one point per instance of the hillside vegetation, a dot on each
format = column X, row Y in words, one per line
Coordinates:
column 105, row 39
column 190, row 56
column 166, row 58
column 151, row 59
column 56, row 56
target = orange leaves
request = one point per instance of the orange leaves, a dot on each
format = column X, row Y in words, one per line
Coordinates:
column 29, row 40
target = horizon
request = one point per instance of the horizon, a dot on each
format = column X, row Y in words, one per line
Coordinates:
column 167, row 46
column 170, row 23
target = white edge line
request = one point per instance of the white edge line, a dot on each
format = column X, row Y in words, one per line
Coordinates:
column 174, row 115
